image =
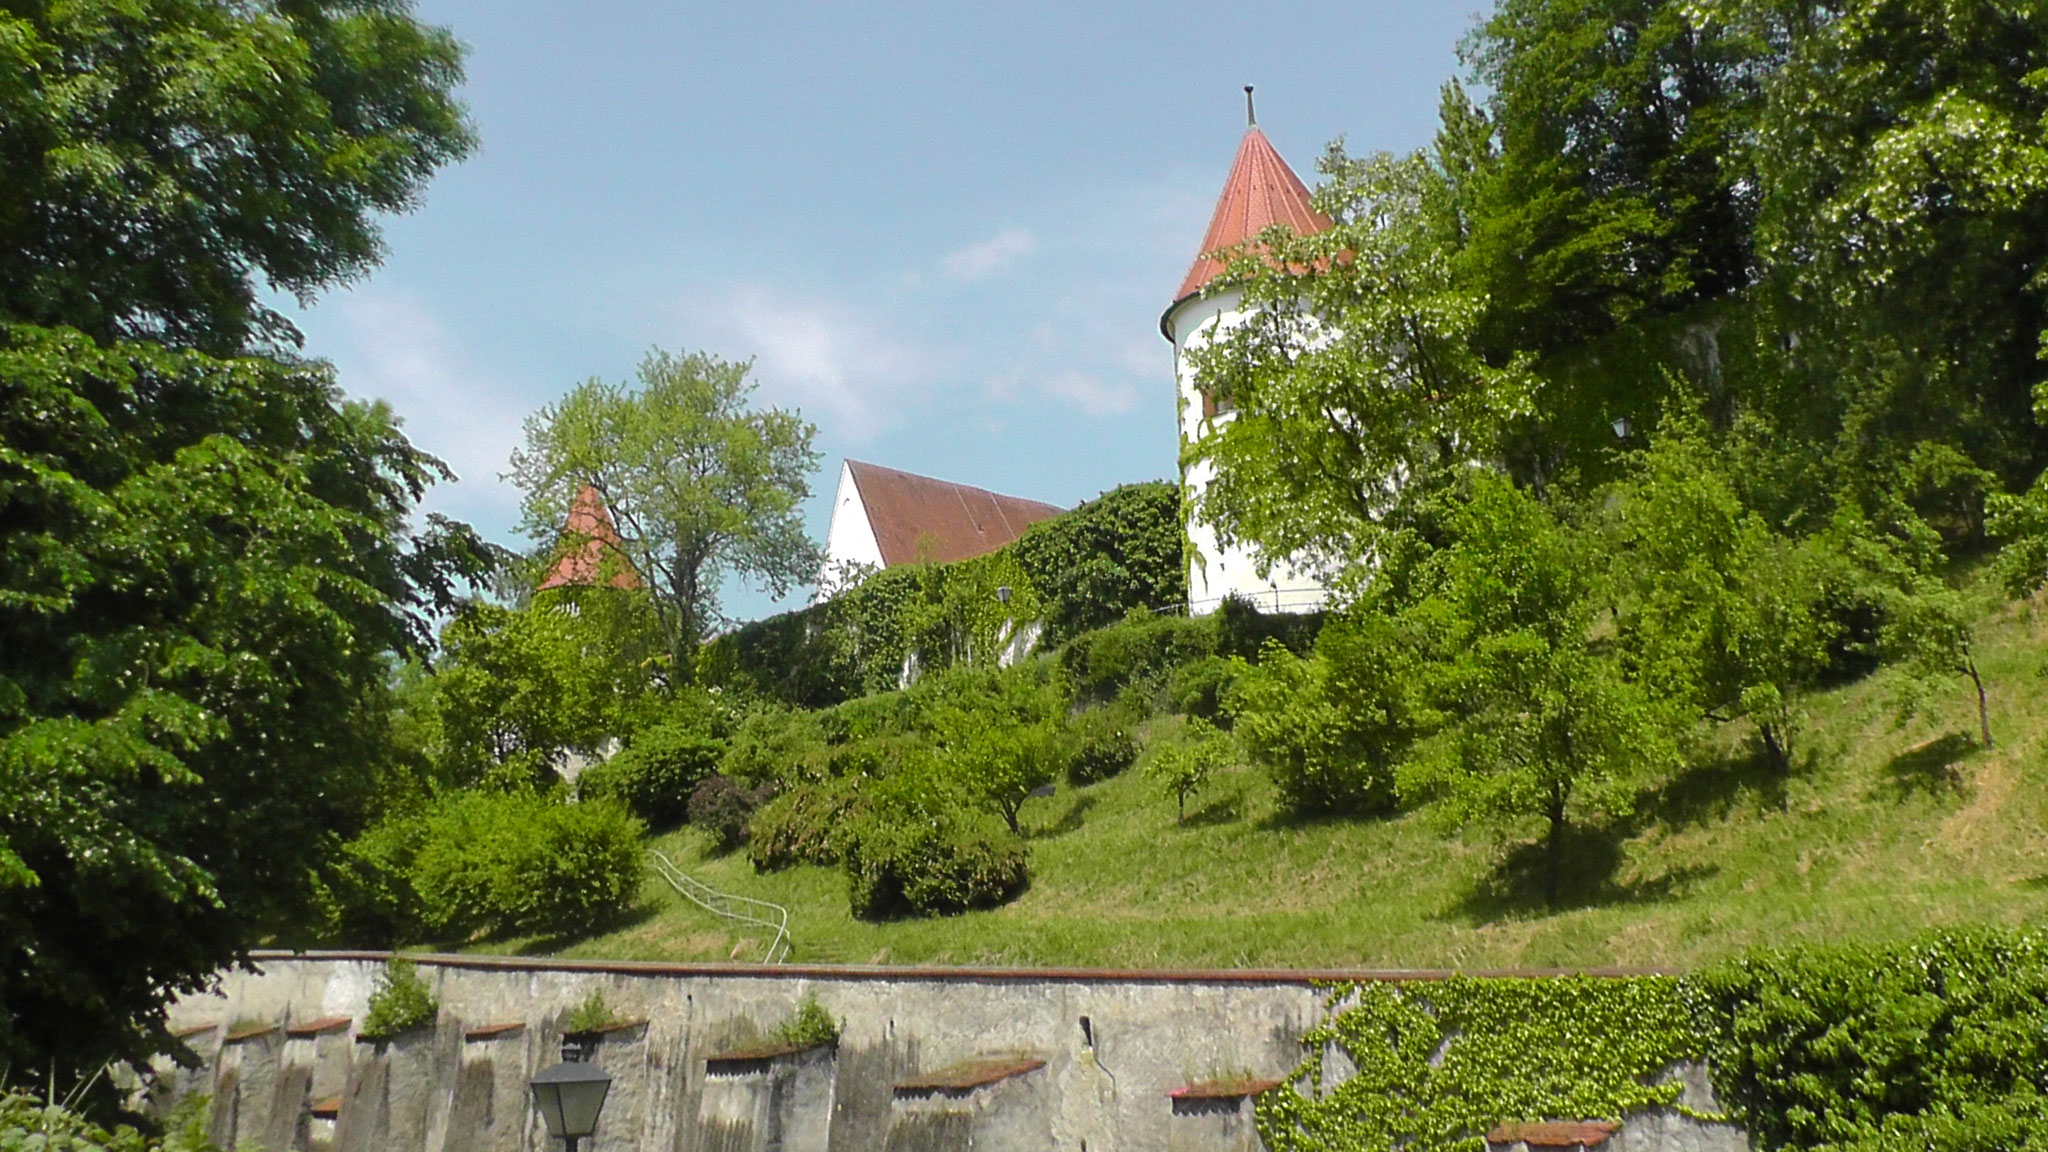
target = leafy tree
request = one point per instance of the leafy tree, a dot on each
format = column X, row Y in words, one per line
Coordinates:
column 999, row 734
column 701, row 485
column 1183, row 768
column 1354, row 382
column 1720, row 611
column 205, row 577
column 517, row 690
column 1540, row 720
column 206, row 570
column 157, row 156
column 1331, row 728
column 1119, row 551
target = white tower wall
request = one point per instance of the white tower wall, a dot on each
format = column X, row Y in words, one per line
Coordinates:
column 1216, row 573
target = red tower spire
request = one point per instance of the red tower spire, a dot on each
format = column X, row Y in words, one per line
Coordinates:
column 1262, row 191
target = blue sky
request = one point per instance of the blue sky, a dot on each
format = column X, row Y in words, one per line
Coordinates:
column 944, row 231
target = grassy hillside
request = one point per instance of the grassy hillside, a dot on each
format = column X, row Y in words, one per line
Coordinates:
column 1882, row 830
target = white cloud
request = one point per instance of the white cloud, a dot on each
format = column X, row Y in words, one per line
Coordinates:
column 1092, row 394
column 394, row 349
column 978, row 261
column 824, row 360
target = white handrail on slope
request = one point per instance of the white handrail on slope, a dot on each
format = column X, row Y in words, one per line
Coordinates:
column 741, row 908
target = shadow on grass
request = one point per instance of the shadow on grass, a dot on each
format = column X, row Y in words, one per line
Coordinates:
column 1931, row 769
column 638, row 915
column 1716, row 789
column 1221, row 810
column 1069, row 821
column 1589, row 860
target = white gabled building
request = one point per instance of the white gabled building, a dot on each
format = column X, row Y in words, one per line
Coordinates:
column 882, row 517
column 1261, row 191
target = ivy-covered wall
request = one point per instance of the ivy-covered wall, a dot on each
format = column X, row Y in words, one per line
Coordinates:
column 1079, row 571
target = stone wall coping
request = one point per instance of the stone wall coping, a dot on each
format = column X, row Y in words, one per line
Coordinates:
column 318, row 1027
column 885, row 972
column 959, row 1078
column 1233, row 1088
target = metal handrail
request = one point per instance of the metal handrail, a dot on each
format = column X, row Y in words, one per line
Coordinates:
column 771, row 916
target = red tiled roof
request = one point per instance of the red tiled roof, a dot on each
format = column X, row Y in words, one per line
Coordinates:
column 588, row 536
column 917, row 518
column 1554, row 1134
column 1262, row 191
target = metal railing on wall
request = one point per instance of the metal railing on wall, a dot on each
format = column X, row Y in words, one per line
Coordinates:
column 739, row 909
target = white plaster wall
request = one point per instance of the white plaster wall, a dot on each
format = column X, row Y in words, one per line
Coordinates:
column 850, row 540
column 1215, row 573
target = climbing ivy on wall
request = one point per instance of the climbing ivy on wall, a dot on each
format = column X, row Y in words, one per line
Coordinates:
column 1073, row 573
column 1439, row 1065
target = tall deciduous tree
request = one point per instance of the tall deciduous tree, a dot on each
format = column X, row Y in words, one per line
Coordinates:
column 1541, row 720
column 702, row 485
column 204, row 578
column 158, row 156
column 206, row 570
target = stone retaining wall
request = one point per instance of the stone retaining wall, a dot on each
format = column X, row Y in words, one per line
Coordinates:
column 929, row 1059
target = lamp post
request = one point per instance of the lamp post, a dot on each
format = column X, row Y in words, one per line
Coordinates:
column 569, row 1096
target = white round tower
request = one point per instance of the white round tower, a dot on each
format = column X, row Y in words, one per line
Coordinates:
column 1261, row 191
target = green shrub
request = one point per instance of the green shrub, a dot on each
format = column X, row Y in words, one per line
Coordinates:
column 399, row 1002
column 898, row 865
column 775, row 744
column 1329, row 728
column 804, row 825
column 31, row 1125
column 721, row 807
column 366, row 894
column 1141, row 649
column 592, row 1015
column 883, row 714
column 654, row 774
column 519, row 862
column 1102, row 747
column 1198, row 689
column 810, row 1026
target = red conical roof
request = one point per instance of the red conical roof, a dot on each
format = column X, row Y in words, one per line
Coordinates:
column 1262, row 191
column 589, row 535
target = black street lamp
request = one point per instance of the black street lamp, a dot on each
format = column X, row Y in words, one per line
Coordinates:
column 569, row 1096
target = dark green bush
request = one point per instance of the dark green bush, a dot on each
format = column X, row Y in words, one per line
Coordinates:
column 883, row 714
column 804, row 825
column 653, row 776
column 1102, row 746
column 1198, row 689
column 1142, row 649
column 899, row 865
column 520, row 862
column 1244, row 631
column 721, row 807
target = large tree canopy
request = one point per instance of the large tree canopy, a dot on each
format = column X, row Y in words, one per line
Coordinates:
column 702, row 485
column 207, row 567
column 158, row 157
column 204, row 574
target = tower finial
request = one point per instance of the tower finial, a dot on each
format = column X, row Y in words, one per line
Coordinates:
column 1251, row 118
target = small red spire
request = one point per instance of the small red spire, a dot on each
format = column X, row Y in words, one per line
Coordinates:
column 590, row 534
column 1262, row 191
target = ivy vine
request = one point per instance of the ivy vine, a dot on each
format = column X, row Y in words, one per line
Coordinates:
column 1438, row 1066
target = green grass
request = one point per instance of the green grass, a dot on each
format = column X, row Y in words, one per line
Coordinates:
column 1883, row 830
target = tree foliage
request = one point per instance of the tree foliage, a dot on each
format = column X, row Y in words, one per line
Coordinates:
column 158, row 156
column 701, row 485
column 204, row 575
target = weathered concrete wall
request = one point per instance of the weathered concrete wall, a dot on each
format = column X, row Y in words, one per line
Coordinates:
column 929, row 1059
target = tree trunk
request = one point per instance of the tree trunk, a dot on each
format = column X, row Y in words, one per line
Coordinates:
column 1554, row 849
column 1779, row 759
column 1983, row 707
